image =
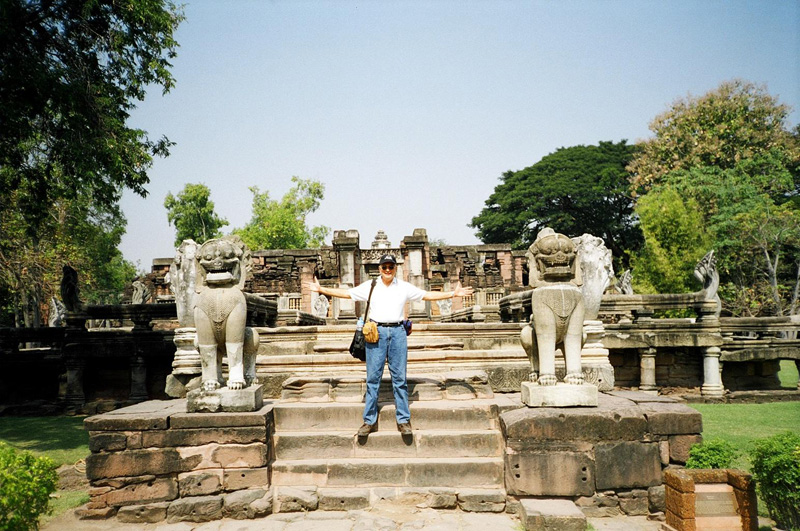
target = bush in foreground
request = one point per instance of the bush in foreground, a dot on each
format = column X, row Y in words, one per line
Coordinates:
column 714, row 453
column 26, row 482
column 776, row 467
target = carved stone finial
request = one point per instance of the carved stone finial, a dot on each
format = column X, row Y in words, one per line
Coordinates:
column 381, row 241
column 182, row 278
column 625, row 283
column 321, row 305
column 141, row 293
column 597, row 270
column 70, row 293
column 706, row 272
column 57, row 313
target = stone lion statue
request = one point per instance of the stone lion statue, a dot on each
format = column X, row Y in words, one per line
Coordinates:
column 557, row 309
column 220, row 314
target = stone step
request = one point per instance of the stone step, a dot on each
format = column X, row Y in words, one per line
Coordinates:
column 447, row 385
column 474, row 472
column 438, row 415
column 387, row 443
column 293, row 499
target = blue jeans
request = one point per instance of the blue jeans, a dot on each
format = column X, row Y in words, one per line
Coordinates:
column 392, row 343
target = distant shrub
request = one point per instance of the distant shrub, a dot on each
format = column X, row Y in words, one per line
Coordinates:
column 714, row 453
column 26, row 482
column 776, row 467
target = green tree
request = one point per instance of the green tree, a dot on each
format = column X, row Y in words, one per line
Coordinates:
column 674, row 241
column 732, row 154
column 282, row 224
column 75, row 233
column 575, row 190
column 192, row 214
column 71, row 71
column 736, row 121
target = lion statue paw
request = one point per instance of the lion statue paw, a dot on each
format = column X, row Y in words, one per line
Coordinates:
column 236, row 384
column 574, row 378
column 548, row 379
column 210, row 385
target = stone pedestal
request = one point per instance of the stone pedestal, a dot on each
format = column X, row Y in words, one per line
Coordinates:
column 186, row 364
column 224, row 399
column 596, row 366
column 187, row 358
column 559, row 395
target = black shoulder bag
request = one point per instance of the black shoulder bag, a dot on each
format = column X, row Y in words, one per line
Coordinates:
column 358, row 348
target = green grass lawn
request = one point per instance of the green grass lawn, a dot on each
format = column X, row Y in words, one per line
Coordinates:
column 788, row 374
column 62, row 439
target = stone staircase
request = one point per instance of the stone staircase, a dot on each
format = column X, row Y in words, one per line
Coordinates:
column 454, row 457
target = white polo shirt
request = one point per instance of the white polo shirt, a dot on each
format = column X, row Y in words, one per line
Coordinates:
column 387, row 302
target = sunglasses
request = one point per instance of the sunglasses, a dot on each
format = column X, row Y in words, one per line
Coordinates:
column 387, row 267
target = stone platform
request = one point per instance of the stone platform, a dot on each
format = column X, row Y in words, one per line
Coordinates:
column 559, row 395
column 611, row 457
column 154, row 461
column 225, row 400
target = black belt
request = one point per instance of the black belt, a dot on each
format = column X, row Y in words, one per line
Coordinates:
column 398, row 323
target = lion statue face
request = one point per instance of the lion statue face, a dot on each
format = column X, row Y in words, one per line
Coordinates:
column 222, row 262
column 555, row 257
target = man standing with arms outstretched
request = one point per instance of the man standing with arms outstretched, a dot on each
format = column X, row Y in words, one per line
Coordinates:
column 386, row 309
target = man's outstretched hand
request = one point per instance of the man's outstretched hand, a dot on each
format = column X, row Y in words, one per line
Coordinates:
column 313, row 285
column 461, row 291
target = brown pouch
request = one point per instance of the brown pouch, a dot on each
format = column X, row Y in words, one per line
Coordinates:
column 370, row 332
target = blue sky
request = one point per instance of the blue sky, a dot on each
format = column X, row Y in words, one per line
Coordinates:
column 409, row 112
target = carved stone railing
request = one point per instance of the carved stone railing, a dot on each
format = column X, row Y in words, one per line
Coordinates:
column 291, row 317
column 473, row 314
column 760, row 338
column 260, row 311
column 643, row 307
column 76, row 348
column 142, row 315
column 12, row 338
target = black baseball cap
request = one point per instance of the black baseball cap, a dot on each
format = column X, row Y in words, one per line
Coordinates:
column 387, row 259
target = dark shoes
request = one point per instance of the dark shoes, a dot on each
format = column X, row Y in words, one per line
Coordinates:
column 366, row 429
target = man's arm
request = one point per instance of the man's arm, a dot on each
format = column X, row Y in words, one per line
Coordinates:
column 441, row 295
column 330, row 292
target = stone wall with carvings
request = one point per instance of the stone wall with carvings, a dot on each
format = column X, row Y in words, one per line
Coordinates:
column 493, row 269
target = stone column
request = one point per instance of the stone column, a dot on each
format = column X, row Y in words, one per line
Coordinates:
column 415, row 246
column 712, row 381
column 647, row 370
column 307, row 270
column 75, row 342
column 138, row 379
column 74, row 395
column 345, row 243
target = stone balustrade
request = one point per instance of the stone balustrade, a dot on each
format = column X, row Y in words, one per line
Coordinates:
column 474, row 314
